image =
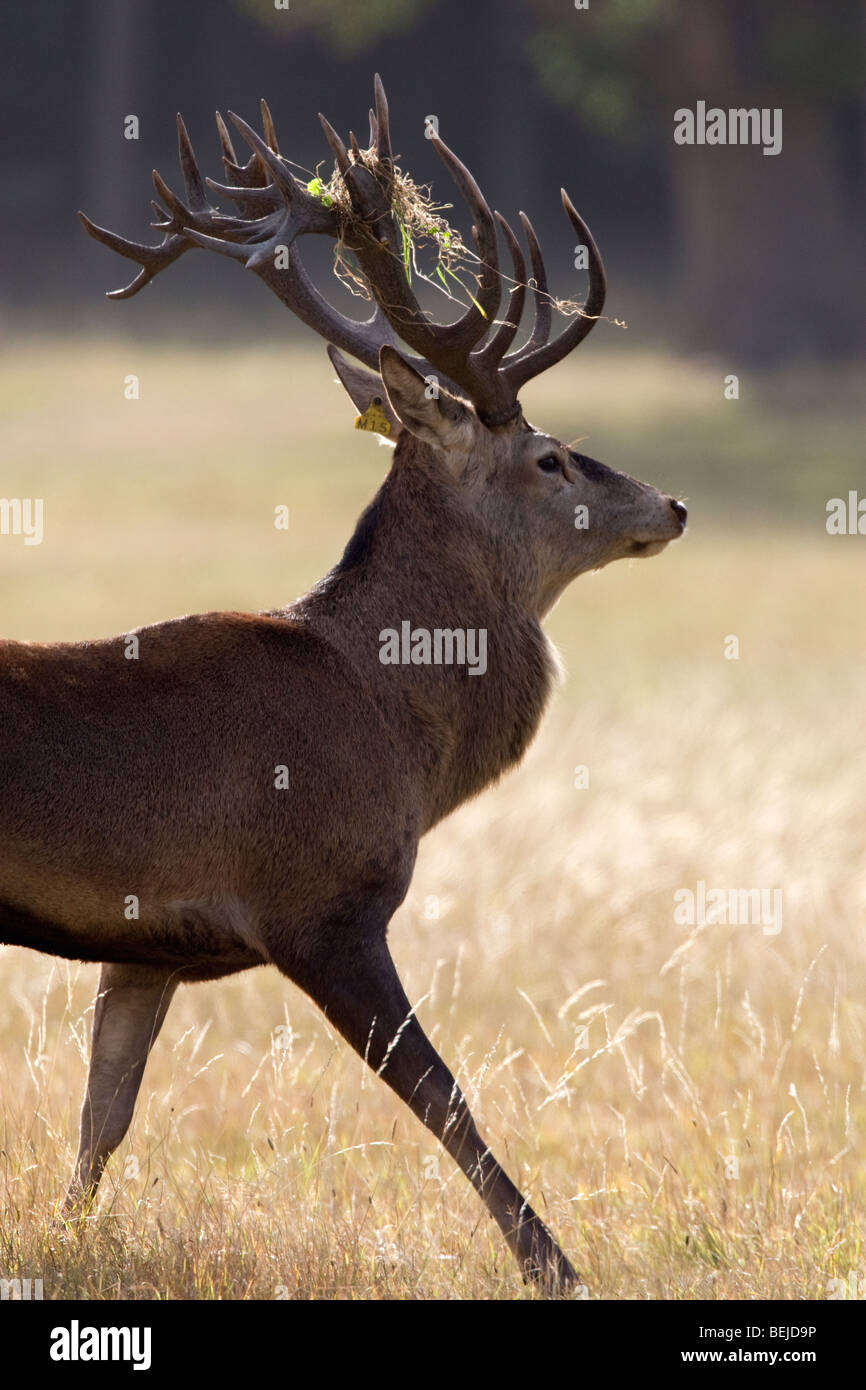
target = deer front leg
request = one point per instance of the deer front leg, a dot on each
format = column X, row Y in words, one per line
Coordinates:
column 357, row 986
column 130, row 1007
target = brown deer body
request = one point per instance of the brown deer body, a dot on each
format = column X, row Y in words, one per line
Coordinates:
column 157, row 776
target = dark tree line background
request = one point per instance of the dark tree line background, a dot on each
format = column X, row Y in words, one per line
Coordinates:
column 718, row 249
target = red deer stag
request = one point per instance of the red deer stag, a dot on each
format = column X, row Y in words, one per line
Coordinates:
column 156, row 777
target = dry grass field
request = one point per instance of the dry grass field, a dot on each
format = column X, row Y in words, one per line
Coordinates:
column 685, row 1105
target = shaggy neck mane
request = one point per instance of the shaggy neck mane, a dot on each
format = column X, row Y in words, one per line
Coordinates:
column 417, row 557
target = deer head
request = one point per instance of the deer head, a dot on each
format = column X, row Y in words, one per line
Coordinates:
column 548, row 512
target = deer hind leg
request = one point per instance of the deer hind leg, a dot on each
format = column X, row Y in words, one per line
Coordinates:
column 130, row 1008
column 356, row 984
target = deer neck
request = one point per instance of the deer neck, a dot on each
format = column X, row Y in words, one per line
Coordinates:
column 461, row 672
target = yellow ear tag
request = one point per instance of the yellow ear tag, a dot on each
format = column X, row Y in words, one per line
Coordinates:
column 374, row 418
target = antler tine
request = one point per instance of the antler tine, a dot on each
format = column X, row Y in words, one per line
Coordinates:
column 495, row 349
column 179, row 215
column 249, row 188
column 272, row 162
column 543, row 308
column 152, row 259
column 229, row 156
column 383, row 123
column 466, row 332
column 527, row 364
column 178, row 211
column 338, row 149
column 192, row 179
column 237, row 250
column 268, row 126
column 253, row 174
column 374, row 129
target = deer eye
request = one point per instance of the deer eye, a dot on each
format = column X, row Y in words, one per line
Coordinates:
column 550, row 464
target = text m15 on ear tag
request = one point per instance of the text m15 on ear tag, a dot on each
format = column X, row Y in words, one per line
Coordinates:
column 374, row 418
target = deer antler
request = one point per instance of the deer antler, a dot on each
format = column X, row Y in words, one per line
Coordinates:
column 274, row 208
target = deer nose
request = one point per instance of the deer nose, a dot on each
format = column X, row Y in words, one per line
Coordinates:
column 679, row 510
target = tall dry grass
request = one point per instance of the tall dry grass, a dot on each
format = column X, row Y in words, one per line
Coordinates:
column 685, row 1107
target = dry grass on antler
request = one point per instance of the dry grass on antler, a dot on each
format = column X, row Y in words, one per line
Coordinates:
column 422, row 227
column 418, row 218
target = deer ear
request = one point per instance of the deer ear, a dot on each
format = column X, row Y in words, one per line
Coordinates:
column 425, row 408
column 365, row 390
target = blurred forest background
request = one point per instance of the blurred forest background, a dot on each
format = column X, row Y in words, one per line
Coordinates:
column 709, row 249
